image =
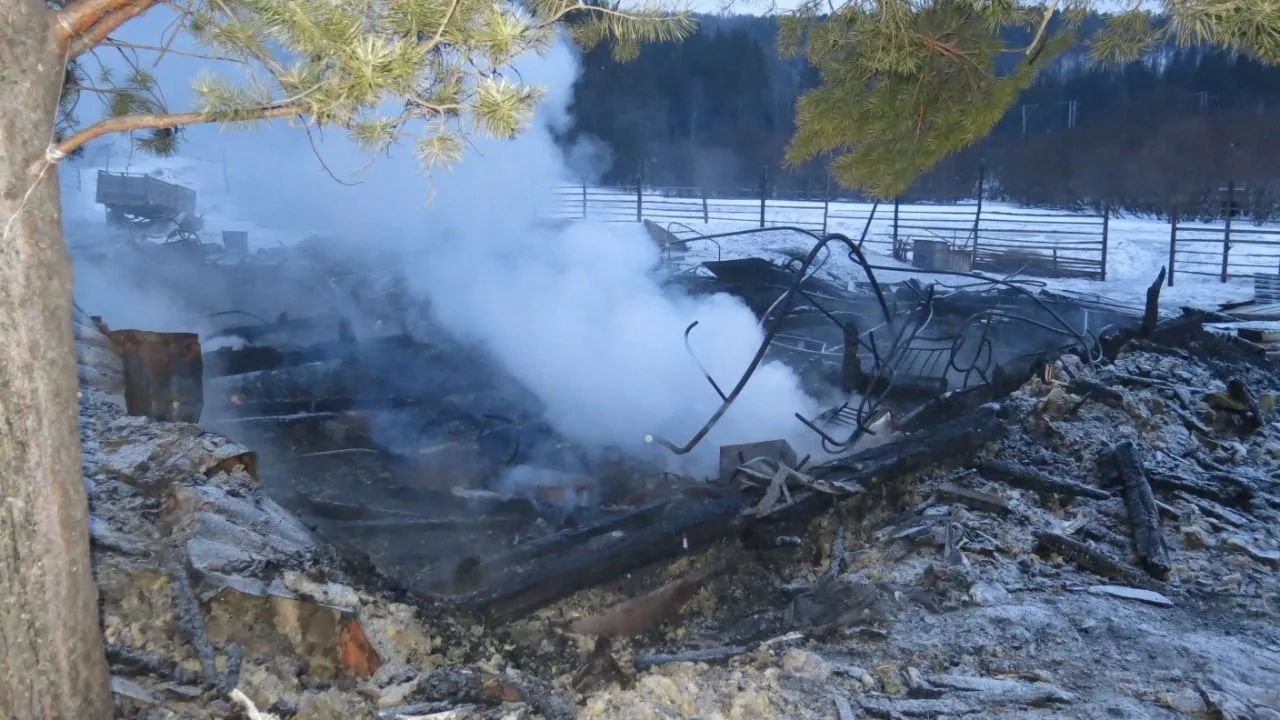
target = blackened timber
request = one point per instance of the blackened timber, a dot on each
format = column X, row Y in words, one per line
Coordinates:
column 961, row 402
column 1091, row 559
column 685, row 530
column 953, row 442
column 559, row 542
column 1121, row 462
column 1031, row 479
column 1097, row 391
column 236, row 361
column 1151, row 313
column 330, row 379
column 1224, row 494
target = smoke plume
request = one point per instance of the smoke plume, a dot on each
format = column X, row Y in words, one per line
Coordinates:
column 577, row 314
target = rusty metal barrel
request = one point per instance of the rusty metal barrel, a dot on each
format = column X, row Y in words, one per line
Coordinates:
column 163, row 374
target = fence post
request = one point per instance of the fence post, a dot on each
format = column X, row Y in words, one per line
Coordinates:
column 706, row 217
column 764, row 189
column 897, row 201
column 977, row 214
column 1173, row 244
column 584, row 199
column 826, row 204
column 1226, row 235
column 640, row 194
column 1106, row 232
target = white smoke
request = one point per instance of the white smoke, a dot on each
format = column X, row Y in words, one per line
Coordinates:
column 575, row 314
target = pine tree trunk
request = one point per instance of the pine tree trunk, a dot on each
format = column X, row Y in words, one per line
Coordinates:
column 51, row 654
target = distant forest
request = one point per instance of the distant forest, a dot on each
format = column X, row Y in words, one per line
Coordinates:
column 1167, row 134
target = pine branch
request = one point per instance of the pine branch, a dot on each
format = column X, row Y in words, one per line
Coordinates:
column 168, row 51
column 1037, row 43
column 130, row 123
column 83, row 24
column 78, row 16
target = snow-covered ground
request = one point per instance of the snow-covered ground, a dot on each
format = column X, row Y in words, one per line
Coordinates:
column 1137, row 247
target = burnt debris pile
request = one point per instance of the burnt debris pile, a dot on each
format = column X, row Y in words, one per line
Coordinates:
column 1005, row 474
column 424, row 456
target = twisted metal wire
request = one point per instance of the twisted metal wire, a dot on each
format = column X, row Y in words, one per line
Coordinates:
column 887, row 364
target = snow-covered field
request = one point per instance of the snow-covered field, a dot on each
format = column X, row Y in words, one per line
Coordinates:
column 1137, row 247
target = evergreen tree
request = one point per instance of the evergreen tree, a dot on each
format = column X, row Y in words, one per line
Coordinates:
column 441, row 65
column 906, row 84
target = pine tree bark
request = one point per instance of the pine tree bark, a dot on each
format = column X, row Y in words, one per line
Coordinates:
column 52, row 663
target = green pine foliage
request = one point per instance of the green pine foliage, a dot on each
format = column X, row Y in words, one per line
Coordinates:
column 905, row 86
column 443, row 67
column 905, row 83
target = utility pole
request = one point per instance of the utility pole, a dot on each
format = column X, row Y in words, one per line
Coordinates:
column 1072, row 107
column 1025, row 113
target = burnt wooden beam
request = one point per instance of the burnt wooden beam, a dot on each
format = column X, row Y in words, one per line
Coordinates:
column 683, row 529
column 955, row 404
column 1231, row 494
column 1030, row 479
column 1121, row 464
column 1151, row 312
column 1091, row 559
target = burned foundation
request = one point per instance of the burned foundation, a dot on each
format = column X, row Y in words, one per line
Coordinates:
column 426, row 460
column 1014, row 475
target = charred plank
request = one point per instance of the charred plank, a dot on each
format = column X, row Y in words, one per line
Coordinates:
column 1237, row 495
column 1029, row 479
column 1151, row 312
column 679, row 531
column 951, row 405
column 1091, row 560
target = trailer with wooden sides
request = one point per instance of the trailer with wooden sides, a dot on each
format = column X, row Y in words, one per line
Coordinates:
column 149, row 204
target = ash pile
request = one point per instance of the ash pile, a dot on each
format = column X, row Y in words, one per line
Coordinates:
column 1028, row 505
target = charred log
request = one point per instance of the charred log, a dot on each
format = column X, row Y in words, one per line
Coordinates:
column 1122, row 466
column 1030, row 479
column 680, row 531
column 330, row 379
column 956, row 404
column 1090, row 559
column 1151, row 313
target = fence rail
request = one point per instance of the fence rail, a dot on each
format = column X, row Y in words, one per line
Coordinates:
column 1053, row 244
column 1223, row 251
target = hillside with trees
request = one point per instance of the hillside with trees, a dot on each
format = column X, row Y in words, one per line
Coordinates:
column 1166, row 133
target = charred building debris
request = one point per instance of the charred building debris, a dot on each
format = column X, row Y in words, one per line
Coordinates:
column 387, row 526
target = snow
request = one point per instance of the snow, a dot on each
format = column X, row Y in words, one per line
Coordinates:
column 1138, row 247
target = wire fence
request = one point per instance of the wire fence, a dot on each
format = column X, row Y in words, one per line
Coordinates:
column 958, row 236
